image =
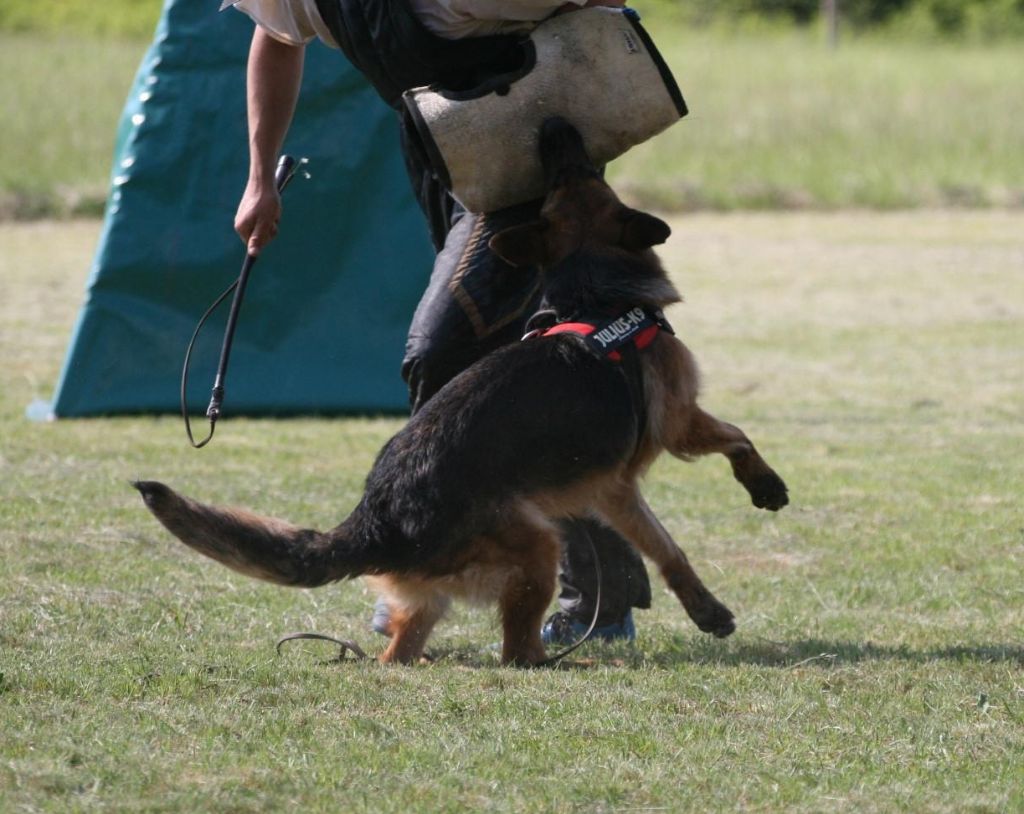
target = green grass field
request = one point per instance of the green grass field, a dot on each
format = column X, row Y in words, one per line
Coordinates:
column 61, row 99
column 875, row 359
column 778, row 121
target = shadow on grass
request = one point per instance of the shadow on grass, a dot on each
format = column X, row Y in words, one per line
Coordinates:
column 764, row 653
column 788, row 655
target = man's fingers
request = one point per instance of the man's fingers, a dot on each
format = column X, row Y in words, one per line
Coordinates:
column 256, row 219
column 261, row 236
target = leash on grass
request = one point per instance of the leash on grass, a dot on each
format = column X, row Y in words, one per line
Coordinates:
column 286, row 169
column 345, row 644
column 359, row 654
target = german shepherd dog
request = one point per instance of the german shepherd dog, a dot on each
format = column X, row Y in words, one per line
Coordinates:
column 465, row 500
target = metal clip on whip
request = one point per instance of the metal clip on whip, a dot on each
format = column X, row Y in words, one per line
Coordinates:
column 286, row 168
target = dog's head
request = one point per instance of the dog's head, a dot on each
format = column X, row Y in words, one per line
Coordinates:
column 581, row 211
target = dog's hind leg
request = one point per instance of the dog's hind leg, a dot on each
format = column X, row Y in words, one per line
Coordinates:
column 413, row 615
column 628, row 513
column 704, row 434
column 528, row 590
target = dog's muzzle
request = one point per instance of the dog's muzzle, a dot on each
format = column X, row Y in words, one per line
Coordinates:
column 597, row 68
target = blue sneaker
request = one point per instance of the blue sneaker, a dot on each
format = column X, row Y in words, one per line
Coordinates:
column 381, row 622
column 560, row 628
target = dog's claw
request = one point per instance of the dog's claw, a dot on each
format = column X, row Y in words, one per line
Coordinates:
column 769, row 492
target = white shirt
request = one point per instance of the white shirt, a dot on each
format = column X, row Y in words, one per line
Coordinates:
column 296, row 22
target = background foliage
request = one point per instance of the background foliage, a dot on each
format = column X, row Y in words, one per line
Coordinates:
column 919, row 106
column 955, row 19
column 987, row 19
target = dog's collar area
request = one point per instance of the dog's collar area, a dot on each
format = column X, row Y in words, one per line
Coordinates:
column 605, row 336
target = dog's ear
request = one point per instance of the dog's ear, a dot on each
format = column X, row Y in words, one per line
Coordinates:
column 641, row 231
column 523, row 245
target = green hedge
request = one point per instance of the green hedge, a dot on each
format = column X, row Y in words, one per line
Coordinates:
column 948, row 19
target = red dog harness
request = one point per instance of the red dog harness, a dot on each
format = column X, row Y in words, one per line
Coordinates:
column 618, row 339
column 636, row 327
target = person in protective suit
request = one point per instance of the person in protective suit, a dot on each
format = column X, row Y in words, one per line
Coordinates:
column 474, row 302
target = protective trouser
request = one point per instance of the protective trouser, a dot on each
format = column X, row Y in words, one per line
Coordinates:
column 474, row 301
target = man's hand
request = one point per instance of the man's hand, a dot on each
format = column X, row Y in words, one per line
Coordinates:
column 257, row 216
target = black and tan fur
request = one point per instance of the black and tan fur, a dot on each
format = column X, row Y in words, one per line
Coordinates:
column 464, row 501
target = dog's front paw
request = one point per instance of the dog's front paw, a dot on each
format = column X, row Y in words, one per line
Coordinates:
column 768, row 491
column 714, row 618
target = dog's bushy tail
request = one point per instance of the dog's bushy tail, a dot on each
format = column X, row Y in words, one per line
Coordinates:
column 261, row 547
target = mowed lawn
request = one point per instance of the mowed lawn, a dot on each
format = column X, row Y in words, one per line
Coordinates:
column 876, row 359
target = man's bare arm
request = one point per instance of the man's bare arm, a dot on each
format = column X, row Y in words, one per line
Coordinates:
column 273, row 79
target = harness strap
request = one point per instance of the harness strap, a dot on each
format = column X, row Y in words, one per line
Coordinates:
column 636, row 327
column 619, row 339
column 641, row 339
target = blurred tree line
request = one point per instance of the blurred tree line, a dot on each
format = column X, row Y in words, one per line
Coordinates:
column 977, row 19
column 944, row 18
